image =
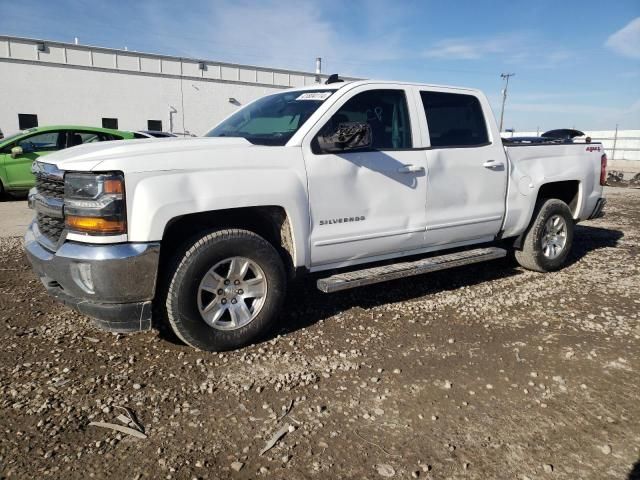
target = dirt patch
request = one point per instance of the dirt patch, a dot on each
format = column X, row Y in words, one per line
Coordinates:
column 481, row 372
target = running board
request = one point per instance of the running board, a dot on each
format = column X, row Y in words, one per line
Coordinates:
column 368, row 276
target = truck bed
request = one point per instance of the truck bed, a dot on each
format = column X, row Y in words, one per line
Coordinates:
column 532, row 165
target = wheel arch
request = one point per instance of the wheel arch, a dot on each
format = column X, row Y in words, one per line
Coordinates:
column 567, row 191
column 270, row 222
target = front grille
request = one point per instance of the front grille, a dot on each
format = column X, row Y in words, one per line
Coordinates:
column 50, row 227
column 48, row 187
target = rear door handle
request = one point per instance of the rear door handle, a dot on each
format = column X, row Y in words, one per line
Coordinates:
column 410, row 169
column 492, row 164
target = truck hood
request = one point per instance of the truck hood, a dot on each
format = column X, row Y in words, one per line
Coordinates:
column 126, row 155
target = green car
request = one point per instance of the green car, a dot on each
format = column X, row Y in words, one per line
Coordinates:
column 18, row 151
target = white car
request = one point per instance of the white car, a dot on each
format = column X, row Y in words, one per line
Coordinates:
column 346, row 178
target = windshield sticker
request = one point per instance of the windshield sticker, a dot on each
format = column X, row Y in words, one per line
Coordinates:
column 314, row 96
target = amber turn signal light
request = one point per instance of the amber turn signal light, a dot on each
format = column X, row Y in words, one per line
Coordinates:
column 96, row 225
column 115, row 185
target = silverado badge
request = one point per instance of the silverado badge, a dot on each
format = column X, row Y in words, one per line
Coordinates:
column 333, row 221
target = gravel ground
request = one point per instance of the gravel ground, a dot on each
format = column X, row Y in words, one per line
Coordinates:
column 482, row 372
column 15, row 216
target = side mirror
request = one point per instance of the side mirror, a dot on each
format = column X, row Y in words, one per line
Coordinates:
column 348, row 136
column 16, row 152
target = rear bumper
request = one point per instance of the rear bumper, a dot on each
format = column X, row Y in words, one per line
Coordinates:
column 114, row 284
column 598, row 211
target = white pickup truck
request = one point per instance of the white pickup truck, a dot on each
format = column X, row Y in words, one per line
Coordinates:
column 362, row 180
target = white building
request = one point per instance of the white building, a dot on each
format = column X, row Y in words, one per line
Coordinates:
column 47, row 83
column 51, row 83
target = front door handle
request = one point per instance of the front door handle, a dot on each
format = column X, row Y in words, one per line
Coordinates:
column 492, row 164
column 410, row 169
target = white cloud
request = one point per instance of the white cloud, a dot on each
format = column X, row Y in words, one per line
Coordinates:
column 629, row 74
column 525, row 49
column 626, row 41
column 467, row 48
column 526, row 115
column 555, row 95
column 577, row 109
column 632, row 109
column 560, row 107
column 284, row 33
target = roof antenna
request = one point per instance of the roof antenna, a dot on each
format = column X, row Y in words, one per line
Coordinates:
column 333, row 78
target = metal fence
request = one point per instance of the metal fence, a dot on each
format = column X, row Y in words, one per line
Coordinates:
column 621, row 146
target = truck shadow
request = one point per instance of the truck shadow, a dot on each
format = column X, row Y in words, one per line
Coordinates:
column 588, row 239
column 634, row 474
column 311, row 305
column 306, row 305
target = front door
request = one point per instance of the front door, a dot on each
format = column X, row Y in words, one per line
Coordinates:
column 18, row 169
column 368, row 203
column 467, row 171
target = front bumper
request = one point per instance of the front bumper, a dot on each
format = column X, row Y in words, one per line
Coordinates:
column 114, row 284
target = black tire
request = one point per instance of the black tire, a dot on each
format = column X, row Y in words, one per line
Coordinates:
column 531, row 255
column 18, row 194
column 190, row 267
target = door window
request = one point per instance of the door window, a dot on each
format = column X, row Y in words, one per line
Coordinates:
column 42, row 142
column 386, row 113
column 77, row 138
column 454, row 120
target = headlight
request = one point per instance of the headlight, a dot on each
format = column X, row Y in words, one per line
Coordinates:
column 94, row 203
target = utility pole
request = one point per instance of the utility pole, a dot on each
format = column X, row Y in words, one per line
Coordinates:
column 318, row 69
column 504, row 94
column 615, row 141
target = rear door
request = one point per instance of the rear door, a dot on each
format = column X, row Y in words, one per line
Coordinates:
column 467, row 168
column 368, row 203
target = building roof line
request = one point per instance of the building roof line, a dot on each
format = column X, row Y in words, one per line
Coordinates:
column 159, row 55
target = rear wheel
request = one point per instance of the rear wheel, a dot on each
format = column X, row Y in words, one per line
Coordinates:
column 226, row 290
column 548, row 240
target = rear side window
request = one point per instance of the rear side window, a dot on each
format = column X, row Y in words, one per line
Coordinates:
column 454, row 120
column 92, row 137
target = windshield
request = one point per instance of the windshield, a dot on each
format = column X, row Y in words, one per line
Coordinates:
column 274, row 119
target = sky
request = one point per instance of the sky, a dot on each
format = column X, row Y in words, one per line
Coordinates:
column 576, row 63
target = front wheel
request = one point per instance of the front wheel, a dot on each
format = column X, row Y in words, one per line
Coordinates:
column 548, row 240
column 226, row 290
